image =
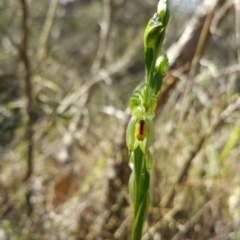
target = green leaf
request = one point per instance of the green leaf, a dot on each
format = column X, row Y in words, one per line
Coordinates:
column 144, row 183
column 139, row 219
column 138, row 163
column 231, row 143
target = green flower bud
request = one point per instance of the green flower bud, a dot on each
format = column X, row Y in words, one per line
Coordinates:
column 131, row 140
column 161, row 69
column 163, row 11
column 162, row 65
column 152, row 31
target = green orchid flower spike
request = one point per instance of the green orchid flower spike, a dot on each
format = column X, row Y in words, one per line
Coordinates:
column 142, row 104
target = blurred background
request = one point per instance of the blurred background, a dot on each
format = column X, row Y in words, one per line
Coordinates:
column 67, row 71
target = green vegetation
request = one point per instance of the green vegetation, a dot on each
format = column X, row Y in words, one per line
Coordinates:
column 67, row 72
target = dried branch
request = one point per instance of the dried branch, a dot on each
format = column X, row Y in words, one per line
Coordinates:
column 218, row 17
column 46, row 30
column 199, row 50
column 195, row 219
column 237, row 27
column 105, row 25
column 23, row 49
column 183, row 175
column 117, row 68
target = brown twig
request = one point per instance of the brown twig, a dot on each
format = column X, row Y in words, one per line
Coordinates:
column 23, row 48
column 237, row 27
column 183, row 175
column 46, row 30
column 199, row 50
column 105, row 25
column 219, row 16
column 195, row 218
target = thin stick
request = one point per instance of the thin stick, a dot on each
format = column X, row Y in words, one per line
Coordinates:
column 23, row 47
column 46, row 30
column 199, row 50
column 105, row 25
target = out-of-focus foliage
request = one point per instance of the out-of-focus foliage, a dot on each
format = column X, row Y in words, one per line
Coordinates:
column 80, row 96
